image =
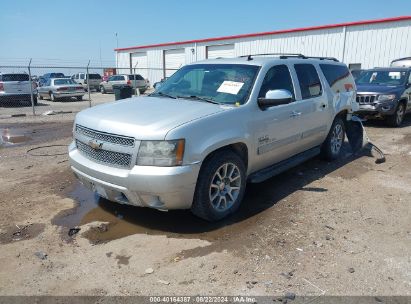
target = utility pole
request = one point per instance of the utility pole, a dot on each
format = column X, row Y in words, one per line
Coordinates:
column 31, row 88
column 116, row 51
column 88, row 85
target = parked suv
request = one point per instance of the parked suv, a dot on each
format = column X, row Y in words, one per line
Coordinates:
column 385, row 93
column 135, row 81
column 210, row 128
column 15, row 87
column 93, row 80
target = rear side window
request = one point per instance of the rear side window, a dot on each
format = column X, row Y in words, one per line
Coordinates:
column 338, row 77
column 277, row 78
column 139, row 77
column 309, row 81
column 14, row 77
column 81, row 76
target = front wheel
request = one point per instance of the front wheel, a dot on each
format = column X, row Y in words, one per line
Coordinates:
column 396, row 119
column 332, row 147
column 102, row 90
column 220, row 186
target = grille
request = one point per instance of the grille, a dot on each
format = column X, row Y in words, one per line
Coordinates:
column 104, row 156
column 366, row 99
column 110, row 138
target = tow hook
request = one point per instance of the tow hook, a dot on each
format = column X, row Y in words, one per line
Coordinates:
column 358, row 139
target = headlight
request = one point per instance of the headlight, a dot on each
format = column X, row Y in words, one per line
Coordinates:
column 163, row 153
column 386, row 97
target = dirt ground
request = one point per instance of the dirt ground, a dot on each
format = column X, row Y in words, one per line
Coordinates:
column 340, row 228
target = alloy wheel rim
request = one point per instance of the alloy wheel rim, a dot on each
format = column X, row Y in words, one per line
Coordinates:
column 337, row 139
column 400, row 114
column 225, row 187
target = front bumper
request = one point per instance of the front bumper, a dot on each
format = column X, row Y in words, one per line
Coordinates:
column 161, row 188
column 378, row 108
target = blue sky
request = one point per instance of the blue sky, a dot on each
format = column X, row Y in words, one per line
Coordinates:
column 71, row 32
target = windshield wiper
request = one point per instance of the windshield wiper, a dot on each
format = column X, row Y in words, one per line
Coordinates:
column 162, row 94
column 199, row 98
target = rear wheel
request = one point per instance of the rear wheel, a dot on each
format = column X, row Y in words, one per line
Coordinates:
column 220, row 186
column 332, row 147
column 52, row 97
column 396, row 119
column 102, row 90
column 39, row 96
column 79, row 98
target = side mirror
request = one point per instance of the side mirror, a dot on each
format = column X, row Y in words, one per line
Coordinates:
column 275, row 98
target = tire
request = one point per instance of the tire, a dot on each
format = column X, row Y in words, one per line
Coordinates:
column 52, row 98
column 102, row 90
column 79, row 98
column 332, row 147
column 34, row 100
column 39, row 96
column 398, row 117
column 215, row 199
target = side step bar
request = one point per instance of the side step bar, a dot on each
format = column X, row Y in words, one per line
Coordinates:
column 282, row 166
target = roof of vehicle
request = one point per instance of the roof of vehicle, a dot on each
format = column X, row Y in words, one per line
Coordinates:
column 405, row 69
column 400, row 59
column 261, row 60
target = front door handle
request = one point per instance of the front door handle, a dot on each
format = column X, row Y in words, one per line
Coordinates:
column 295, row 114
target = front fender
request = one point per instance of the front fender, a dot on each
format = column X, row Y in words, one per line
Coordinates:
column 203, row 136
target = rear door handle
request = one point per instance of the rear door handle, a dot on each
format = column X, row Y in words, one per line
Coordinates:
column 295, row 114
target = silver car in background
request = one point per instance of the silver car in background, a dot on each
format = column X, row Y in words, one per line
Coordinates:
column 135, row 81
column 59, row 88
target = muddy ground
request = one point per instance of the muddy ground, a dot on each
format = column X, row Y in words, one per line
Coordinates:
column 340, row 228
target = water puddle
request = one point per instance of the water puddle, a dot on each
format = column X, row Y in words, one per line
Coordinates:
column 125, row 220
column 9, row 137
column 20, row 233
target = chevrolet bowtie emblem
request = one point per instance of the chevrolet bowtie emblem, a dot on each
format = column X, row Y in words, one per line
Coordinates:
column 95, row 144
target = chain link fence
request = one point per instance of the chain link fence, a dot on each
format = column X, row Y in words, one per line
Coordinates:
column 43, row 90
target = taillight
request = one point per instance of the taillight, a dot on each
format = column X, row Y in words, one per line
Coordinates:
column 129, row 81
column 1, row 86
column 62, row 89
column 79, row 88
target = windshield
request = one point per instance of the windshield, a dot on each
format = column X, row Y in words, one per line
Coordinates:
column 221, row 83
column 64, row 81
column 382, row 77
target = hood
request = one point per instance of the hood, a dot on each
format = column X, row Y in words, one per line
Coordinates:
column 145, row 117
column 379, row 89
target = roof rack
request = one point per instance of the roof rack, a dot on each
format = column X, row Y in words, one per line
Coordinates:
column 288, row 55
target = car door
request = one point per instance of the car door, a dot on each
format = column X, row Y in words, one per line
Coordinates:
column 108, row 86
column 276, row 130
column 311, row 107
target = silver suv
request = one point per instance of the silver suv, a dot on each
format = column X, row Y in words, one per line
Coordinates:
column 210, row 128
column 135, row 81
column 15, row 87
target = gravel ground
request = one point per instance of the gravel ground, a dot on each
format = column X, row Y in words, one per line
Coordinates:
column 341, row 228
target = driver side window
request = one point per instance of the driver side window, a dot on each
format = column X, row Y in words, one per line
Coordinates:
column 277, row 78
